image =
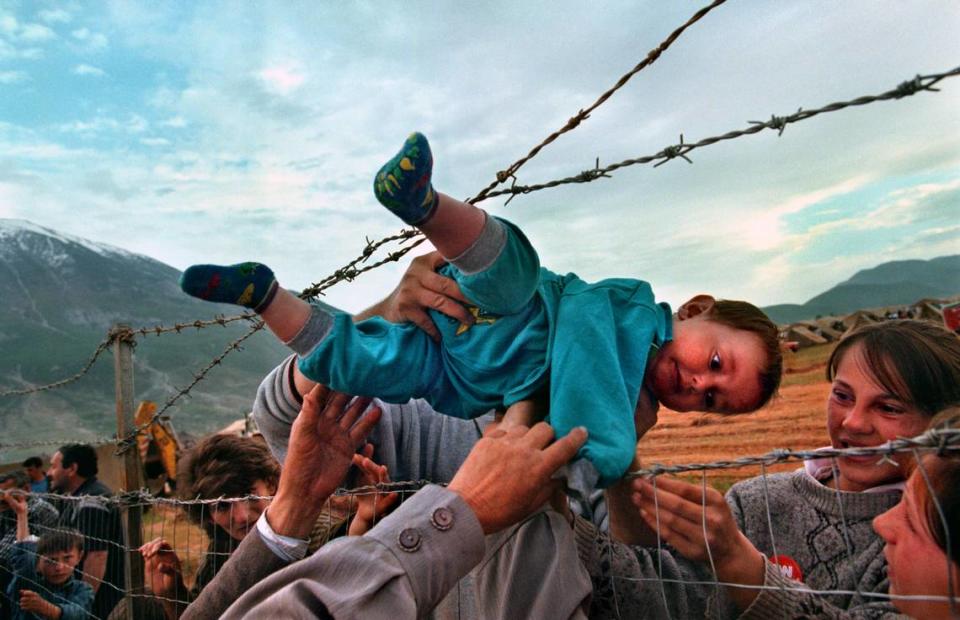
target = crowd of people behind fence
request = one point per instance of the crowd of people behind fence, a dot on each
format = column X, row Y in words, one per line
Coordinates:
column 839, row 537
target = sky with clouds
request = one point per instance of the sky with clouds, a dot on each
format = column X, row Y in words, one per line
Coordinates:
column 226, row 131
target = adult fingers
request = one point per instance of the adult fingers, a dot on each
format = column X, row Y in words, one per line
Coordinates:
column 357, row 407
column 564, row 449
column 360, row 430
column 539, row 436
column 667, row 533
column 421, row 319
column 333, row 408
column 313, row 402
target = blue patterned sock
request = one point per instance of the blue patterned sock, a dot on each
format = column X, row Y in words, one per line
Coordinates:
column 245, row 284
column 403, row 183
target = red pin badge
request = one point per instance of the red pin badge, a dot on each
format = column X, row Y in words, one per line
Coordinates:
column 788, row 567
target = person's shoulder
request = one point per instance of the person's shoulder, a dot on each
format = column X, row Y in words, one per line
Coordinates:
column 96, row 487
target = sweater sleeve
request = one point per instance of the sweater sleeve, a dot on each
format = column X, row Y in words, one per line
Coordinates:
column 783, row 597
column 79, row 605
column 640, row 582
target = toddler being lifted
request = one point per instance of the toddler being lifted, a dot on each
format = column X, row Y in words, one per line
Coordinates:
column 595, row 346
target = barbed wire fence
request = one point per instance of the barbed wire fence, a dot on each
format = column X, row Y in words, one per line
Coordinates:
column 196, row 533
column 409, row 239
column 166, row 516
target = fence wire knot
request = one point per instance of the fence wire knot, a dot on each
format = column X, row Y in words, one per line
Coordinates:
column 905, row 89
column 672, row 152
column 776, row 122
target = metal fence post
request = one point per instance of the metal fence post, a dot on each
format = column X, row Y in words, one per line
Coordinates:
column 131, row 478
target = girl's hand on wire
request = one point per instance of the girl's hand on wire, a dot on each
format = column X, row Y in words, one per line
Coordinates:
column 370, row 505
column 700, row 526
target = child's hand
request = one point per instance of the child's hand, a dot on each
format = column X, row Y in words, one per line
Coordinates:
column 370, row 506
column 33, row 603
column 16, row 500
column 421, row 288
column 161, row 568
column 691, row 520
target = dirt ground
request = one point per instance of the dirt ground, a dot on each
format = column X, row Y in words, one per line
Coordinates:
column 795, row 419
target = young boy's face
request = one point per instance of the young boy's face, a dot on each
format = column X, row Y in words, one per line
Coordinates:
column 58, row 567
column 708, row 366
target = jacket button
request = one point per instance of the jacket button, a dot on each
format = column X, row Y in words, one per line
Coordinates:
column 410, row 539
column 442, row 519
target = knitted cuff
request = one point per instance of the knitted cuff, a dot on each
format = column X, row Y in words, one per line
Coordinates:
column 485, row 250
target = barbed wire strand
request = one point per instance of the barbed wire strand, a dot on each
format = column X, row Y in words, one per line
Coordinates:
column 584, row 113
column 920, row 83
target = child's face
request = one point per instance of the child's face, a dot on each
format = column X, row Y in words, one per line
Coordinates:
column 906, row 531
column 58, row 567
column 708, row 366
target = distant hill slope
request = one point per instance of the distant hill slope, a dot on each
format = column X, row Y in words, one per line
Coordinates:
column 61, row 294
column 889, row 284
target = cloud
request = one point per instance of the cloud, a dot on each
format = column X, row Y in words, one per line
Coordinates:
column 154, row 141
column 55, row 16
column 36, row 33
column 84, row 69
column 133, row 124
column 281, row 80
column 92, row 41
column 13, row 77
column 177, row 122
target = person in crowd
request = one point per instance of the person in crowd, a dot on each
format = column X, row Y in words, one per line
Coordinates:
column 42, row 517
column 925, row 526
column 33, row 467
column 408, row 561
column 536, row 331
column 888, row 380
column 43, row 584
column 73, row 471
column 229, row 466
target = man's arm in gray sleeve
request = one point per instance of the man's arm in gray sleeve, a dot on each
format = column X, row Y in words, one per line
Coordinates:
column 400, row 569
column 250, row 563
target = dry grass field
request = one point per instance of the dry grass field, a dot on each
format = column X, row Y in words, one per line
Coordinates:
column 795, row 419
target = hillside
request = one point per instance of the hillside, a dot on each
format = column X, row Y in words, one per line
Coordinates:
column 61, row 295
column 888, row 284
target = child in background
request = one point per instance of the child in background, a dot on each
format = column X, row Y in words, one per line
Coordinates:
column 43, row 584
column 594, row 346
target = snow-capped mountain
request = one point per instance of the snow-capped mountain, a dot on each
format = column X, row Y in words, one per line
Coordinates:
column 60, row 294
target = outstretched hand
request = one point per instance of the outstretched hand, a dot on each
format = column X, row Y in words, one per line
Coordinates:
column 420, row 289
column 323, row 440
column 371, row 505
column 507, row 474
column 161, row 567
column 698, row 523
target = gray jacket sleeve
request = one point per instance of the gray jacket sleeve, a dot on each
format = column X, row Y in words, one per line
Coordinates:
column 400, row 569
column 250, row 562
column 413, row 441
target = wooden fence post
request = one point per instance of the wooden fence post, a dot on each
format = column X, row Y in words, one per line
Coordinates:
column 131, row 471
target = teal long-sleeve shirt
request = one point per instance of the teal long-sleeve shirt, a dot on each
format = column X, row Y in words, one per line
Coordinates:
column 591, row 342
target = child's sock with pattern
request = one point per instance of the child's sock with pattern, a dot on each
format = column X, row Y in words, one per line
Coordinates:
column 403, row 183
column 245, row 284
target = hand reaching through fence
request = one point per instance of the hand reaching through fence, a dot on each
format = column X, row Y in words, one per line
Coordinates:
column 163, row 574
column 697, row 522
column 373, row 504
column 323, row 440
